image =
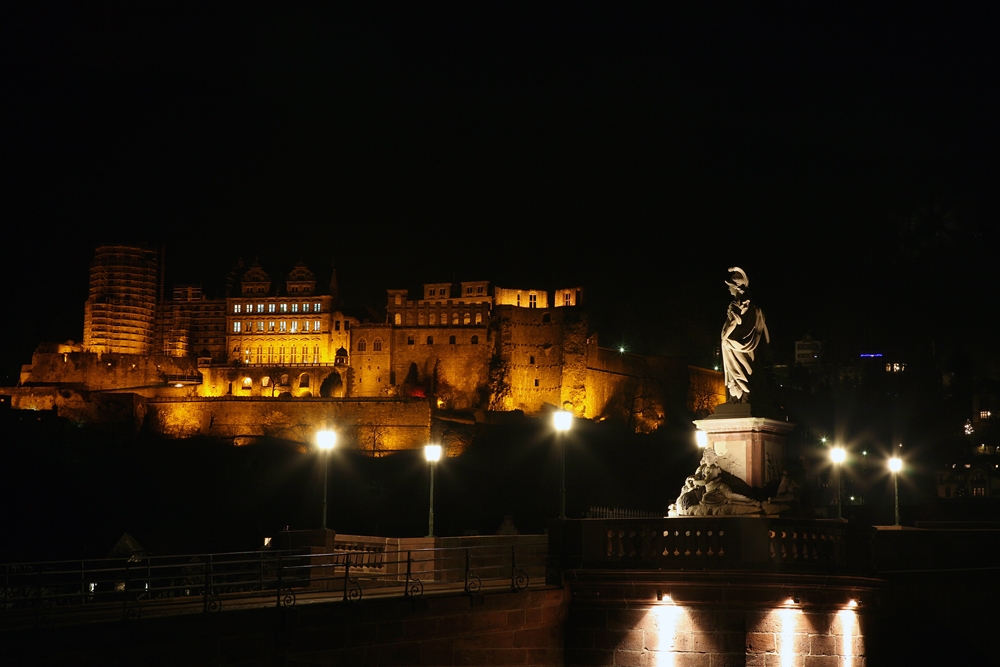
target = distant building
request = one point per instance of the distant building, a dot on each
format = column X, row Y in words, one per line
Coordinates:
column 808, row 352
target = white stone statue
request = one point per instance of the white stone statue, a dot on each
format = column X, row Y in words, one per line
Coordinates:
column 741, row 334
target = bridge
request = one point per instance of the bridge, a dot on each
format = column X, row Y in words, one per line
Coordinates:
column 650, row 592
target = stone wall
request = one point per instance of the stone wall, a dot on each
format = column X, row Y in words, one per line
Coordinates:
column 398, row 424
column 457, row 371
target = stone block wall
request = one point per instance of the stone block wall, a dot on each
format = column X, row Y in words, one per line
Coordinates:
column 712, row 636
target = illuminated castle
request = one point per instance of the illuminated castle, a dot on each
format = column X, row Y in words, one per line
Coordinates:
column 466, row 346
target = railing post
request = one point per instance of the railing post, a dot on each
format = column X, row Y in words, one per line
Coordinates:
column 406, row 583
column 277, row 587
column 207, row 584
column 347, row 574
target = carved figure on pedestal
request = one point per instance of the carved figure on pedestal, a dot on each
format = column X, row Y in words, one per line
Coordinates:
column 741, row 335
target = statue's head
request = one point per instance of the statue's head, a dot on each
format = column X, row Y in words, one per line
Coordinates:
column 738, row 281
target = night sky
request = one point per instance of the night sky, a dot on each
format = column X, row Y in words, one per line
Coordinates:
column 846, row 157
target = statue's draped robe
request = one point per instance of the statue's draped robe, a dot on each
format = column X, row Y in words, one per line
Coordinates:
column 741, row 335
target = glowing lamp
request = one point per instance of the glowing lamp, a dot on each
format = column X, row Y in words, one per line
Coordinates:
column 562, row 420
column 326, row 440
column 432, row 453
column 837, row 454
column 701, row 437
column 895, row 464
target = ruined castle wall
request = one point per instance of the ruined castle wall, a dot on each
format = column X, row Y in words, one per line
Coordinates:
column 456, row 371
column 249, row 381
column 574, row 371
column 531, row 348
column 632, row 387
column 118, row 412
column 401, row 424
column 137, row 372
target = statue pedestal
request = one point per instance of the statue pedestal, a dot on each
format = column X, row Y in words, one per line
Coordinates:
column 752, row 448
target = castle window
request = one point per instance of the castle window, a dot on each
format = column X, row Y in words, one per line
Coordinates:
column 305, row 325
column 467, row 318
column 295, row 307
column 479, row 318
column 532, row 300
column 260, row 326
column 315, row 354
column 317, row 307
column 409, row 340
column 295, row 327
column 475, row 340
column 246, row 356
column 531, row 359
column 441, row 291
column 546, row 317
column 336, row 325
column 281, row 326
column 304, row 381
column 260, row 308
column 236, row 308
column 295, row 357
column 281, row 354
column 284, row 307
column 434, row 319
column 518, row 301
column 270, row 354
column 247, row 383
column 270, row 307
column 398, row 299
column 430, row 340
column 451, row 340
column 305, row 308
column 479, row 289
column 409, row 319
column 567, row 299
column 377, row 345
column 265, row 381
column 260, row 354
column 454, row 318
column 362, row 345
column 270, row 326
column 315, row 325
column 305, row 354
column 397, row 319
column 536, row 382
column 421, row 319
column 347, row 325
column 236, row 327
column 468, row 290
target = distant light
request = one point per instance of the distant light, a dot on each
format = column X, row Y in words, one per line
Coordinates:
column 622, row 349
column 852, row 604
column 432, row 453
column 326, row 440
column 895, row 464
column 869, row 356
column 701, row 437
column 837, row 454
column 823, row 440
column 715, row 368
column 562, row 420
column 178, row 385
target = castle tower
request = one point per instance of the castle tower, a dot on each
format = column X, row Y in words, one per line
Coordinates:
column 121, row 308
column 300, row 282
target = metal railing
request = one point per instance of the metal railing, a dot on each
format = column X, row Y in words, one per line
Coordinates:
column 84, row 591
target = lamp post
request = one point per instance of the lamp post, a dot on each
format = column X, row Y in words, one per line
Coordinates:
column 433, row 454
column 701, row 438
column 562, row 420
column 895, row 465
column 837, row 455
column 325, row 440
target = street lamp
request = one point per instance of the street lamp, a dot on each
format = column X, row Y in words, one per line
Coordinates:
column 562, row 420
column 895, row 465
column 325, row 440
column 701, row 438
column 433, row 454
column 837, row 455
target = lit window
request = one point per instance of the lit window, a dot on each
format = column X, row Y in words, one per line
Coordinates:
column 294, row 352
column 260, row 326
column 362, row 346
column 284, row 307
column 236, row 327
column 246, row 356
column 260, row 308
column 295, row 327
column 281, row 326
column 236, row 308
column 265, row 381
column 454, row 318
column 532, row 300
column 317, row 307
column 270, row 307
column 315, row 354
column 247, row 383
column 467, row 318
column 260, row 354
column 397, row 319
column 305, row 325
column 270, row 326
column 281, row 354
column 270, row 354
column 479, row 318
column 305, row 308
column 295, row 307
column 315, row 325
column 377, row 345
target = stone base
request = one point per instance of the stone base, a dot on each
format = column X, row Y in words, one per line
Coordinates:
column 751, row 448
